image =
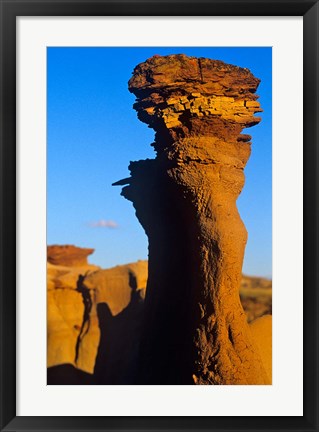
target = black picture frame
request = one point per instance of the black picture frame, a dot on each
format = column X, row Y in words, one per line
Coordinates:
column 10, row 9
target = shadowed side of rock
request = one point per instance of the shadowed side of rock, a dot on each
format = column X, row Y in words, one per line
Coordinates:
column 195, row 329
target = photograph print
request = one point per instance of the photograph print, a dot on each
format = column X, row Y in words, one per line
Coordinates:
column 159, row 216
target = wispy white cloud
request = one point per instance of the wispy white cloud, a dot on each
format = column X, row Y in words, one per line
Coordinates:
column 102, row 223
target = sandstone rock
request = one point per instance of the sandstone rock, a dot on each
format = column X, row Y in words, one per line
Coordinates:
column 73, row 324
column 89, row 339
column 256, row 296
column 116, row 361
column 72, row 327
column 195, row 329
column 114, row 286
column 69, row 279
column 113, row 356
column 67, row 255
column 64, row 321
column 211, row 83
column 119, row 297
column 261, row 330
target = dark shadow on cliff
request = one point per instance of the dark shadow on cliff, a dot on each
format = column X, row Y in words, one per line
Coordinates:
column 167, row 354
column 67, row 374
column 87, row 302
column 116, row 361
column 117, row 357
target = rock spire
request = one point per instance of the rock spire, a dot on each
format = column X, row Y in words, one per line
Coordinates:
column 195, row 329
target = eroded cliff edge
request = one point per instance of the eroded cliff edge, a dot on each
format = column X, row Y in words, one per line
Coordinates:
column 195, row 329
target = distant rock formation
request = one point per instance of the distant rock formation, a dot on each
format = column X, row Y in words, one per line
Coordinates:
column 256, row 297
column 195, row 329
column 68, row 255
column 93, row 321
column 119, row 297
column 72, row 323
column 114, row 286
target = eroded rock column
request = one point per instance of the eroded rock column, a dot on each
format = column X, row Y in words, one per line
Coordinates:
column 195, row 329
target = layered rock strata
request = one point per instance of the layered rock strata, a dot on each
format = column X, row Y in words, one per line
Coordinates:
column 68, row 255
column 195, row 329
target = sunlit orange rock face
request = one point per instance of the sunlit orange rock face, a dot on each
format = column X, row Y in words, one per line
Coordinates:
column 195, row 329
column 93, row 318
column 73, row 330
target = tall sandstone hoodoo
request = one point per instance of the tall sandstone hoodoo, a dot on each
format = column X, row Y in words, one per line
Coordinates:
column 195, row 329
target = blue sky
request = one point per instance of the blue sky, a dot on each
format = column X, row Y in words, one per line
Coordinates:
column 93, row 133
